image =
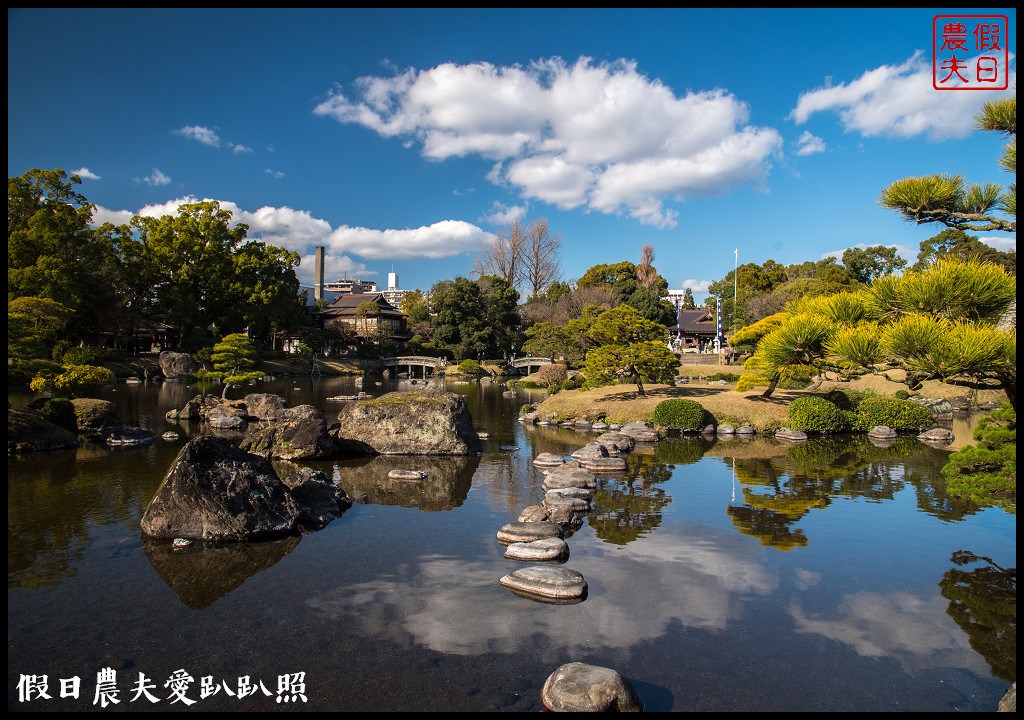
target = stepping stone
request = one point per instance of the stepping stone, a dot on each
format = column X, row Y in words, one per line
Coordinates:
column 570, row 492
column 591, row 450
column 578, row 687
column 533, row 513
column 791, row 435
column 620, row 441
column 549, row 460
column 547, row 584
column 406, row 475
column 746, row 430
column 608, row 464
column 569, row 477
column 538, row 550
column 726, row 429
column 882, row 432
column 576, row 503
column 529, row 531
column 937, row 437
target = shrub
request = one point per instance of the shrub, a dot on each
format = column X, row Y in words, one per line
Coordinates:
column 816, row 414
column 470, row 367
column 749, row 381
column 574, row 382
column 902, row 394
column 893, row 413
column 728, row 377
column 986, row 473
column 80, row 356
column 554, row 374
column 840, row 399
column 680, row 414
column 61, row 413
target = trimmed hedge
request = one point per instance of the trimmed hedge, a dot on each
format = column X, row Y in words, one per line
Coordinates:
column 680, row 414
column 893, row 413
column 815, row 414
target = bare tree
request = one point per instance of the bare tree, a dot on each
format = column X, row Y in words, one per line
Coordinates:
column 646, row 275
column 504, row 256
column 541, row 265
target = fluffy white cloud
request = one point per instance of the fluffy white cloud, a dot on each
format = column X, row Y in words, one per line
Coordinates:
column 156, row 179
column 596, row 135
column 86, row 174
column 1004, row 244
column 440, row 240
column 502, row 214
column 697, row 285
column 808, row 144
column 239, row 149
column 299, row 231
column 898, row 101
column 201, row 134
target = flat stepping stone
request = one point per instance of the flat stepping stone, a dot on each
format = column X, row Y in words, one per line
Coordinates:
column 791, row 435
column 554, row 502
column 882, row 432
column 591, row 450
column 529, row 531
column 570, row 492
column 538, row 550
column 726, row 429
column 746, row 430
column 549, row 460
column 606, row 464
column 578, row 687
column 547, row 584
column 406, row 475
column 569, row 477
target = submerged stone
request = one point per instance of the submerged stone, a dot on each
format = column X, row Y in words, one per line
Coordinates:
column 578, row 687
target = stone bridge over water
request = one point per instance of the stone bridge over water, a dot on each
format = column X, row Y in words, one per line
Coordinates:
column 528, row 365
column 427, row 365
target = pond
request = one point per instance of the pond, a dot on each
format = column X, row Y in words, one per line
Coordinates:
column 723, row 575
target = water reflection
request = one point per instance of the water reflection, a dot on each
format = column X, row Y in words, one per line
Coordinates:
column 983, row 601
column 366, row 480
column 202, row 573
column 628, row 508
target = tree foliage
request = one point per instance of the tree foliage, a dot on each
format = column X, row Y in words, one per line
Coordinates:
column 866, row 264
column 986, row 472
column 948, row 198
column 629, row 347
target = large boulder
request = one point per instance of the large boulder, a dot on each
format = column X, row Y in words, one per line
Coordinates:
column 408, row 423
column 176, row 365
column 319, row 497
column 214, row 491
column 95, row 418
column 263, row 406
column 29, row 431
column 298, row 433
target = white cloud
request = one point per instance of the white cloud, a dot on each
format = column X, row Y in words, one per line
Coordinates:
column 898, row 101
column 300, row 232
column 202, row 134
column 600, row 136
column 156, row 179
column 239, row 149
column 502, row 214
column 115, row 217
column 696, row 285
column 86, row 174
column 1004, row 244
column 274, row 173
column 808, row 144
column 440, row 240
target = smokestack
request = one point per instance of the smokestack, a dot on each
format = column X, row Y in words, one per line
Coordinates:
column 318, row 273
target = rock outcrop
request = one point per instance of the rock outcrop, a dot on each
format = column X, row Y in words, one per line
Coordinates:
column 175, row 365
column 216, row 492
column 298, row 433
column 29, row 431
column 578, row 687
column 408, row 423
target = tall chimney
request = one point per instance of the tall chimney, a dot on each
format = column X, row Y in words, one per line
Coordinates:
column 318, row 274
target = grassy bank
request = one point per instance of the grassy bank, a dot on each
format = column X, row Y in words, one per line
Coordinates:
column 622, row 403
column 141, row 365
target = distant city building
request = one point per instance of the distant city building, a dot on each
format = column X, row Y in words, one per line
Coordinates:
column 351, row 287
column 393, row 295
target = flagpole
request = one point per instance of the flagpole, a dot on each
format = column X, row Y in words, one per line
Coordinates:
column 735, row 287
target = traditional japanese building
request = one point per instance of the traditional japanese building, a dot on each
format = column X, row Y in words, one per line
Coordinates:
column 345, row 316
column 696, row 328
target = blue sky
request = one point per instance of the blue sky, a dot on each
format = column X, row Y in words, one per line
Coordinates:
column 403, row 139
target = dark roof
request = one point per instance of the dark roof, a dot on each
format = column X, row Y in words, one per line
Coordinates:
column 698, row 320
column 347, row 304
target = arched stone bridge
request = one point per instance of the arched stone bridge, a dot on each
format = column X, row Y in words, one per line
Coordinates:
column 395, row 364
column 528, row 365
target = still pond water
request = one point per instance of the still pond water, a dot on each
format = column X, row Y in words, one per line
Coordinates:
column 728, row 575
